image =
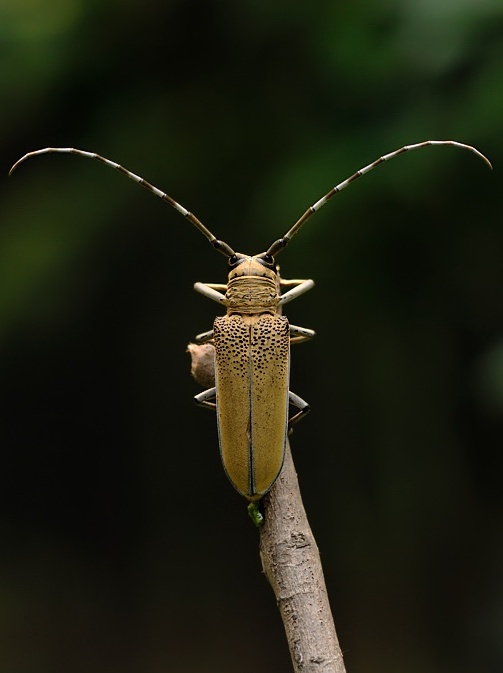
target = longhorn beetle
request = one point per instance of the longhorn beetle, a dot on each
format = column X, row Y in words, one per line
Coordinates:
column 252, row 341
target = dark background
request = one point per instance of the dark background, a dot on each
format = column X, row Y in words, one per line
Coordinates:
column 123, row 547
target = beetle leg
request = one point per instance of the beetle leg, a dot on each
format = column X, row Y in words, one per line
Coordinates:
column 299, row 287
column 300, row 334
column 205, row 398
column 222, row 287
column 211, row 290
column 204, row 337
column 290, row 282
column 301, row 405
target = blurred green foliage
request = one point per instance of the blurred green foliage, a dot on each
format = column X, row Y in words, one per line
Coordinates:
column 124, row 547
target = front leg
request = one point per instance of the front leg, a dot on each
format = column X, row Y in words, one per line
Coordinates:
column 298, row 288
column 212, row 291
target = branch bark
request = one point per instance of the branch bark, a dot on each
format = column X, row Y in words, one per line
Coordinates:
column 290, row 559
column 292, row 564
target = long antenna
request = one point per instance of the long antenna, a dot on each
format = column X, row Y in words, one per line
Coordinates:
column 281, row 243
column 221, row 246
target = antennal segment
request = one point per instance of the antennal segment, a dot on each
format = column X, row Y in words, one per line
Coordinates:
column 278, row 245
column 221, row 246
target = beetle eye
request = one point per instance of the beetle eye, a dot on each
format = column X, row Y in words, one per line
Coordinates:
column 233, row 260
column 269, row 259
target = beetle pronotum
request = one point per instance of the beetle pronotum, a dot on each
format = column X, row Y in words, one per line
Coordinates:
column 252, row 341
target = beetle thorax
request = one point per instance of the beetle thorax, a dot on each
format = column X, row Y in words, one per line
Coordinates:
column 251, row 288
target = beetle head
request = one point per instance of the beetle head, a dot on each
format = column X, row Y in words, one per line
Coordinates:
column 262, row 265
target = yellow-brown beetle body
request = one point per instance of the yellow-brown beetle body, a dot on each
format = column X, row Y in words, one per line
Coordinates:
column 252, row 362
column 252, row 357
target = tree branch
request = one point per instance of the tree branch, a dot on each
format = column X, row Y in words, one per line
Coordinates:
column 292, row 564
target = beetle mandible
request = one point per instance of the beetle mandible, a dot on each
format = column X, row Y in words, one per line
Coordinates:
column 252, row 341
